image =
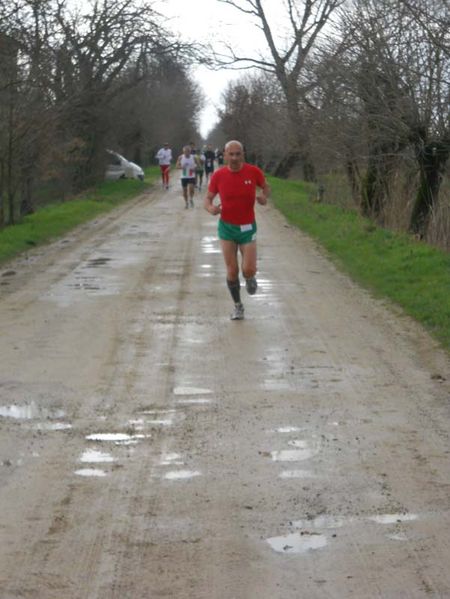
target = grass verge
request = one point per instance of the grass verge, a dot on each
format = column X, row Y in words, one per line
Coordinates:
column 56, row 219
column 413, row 274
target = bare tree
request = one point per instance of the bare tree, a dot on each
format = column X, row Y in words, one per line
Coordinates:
column 164, row 106
column 395, row 79
column 255, row 112
column 306, row 21
column 62, row 70
column 434, row 18
column 97, row 47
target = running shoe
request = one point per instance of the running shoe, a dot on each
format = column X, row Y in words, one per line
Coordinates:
column 251, row 285
column 238, row 312
column 192, row 203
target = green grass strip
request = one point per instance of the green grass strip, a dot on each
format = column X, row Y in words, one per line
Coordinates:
column 413, row 274
column 56, row 219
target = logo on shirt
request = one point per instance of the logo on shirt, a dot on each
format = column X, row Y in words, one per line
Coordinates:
column 247, row 182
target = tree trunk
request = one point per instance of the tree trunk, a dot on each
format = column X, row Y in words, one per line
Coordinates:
column 353, row 177
column 372, row 191
column 375, row 186
column 26, row 203
column 309, row 171
column 9, row 170
column 2, row 189
column 286, row 164
column 432, row 159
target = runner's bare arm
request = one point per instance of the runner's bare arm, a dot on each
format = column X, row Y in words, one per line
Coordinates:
column 208, row 204
column 262, row 197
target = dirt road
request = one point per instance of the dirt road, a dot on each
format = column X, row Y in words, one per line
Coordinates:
column 150, row 447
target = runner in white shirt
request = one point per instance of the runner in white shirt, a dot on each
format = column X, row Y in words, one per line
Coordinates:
column 164, row 157
column 186, row 162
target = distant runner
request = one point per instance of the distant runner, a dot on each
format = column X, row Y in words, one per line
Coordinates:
column 236, row 184
column 164, row 157
column 209, row 162
column 199, row 162
column 186, row 162
column 219, row 156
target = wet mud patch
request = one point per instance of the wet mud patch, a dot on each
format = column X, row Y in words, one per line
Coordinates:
column 96, row 262
column 94, row 456
column 298, row 543
column 178, row 475
column 91, row 472
column 117, row 438
column 31, row 411
column 191, row 391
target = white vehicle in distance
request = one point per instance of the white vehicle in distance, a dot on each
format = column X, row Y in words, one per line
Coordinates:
column 118, row 167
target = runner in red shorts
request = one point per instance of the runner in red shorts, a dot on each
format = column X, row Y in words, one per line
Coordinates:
column 164, row 157
column 236, row 184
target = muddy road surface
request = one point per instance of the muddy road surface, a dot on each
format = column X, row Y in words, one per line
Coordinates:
column 150, row 447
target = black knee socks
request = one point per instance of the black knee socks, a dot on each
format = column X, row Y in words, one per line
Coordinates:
column 235, row 290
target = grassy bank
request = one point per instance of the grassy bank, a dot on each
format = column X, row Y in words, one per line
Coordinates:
column 56, row 219
column 412, row 274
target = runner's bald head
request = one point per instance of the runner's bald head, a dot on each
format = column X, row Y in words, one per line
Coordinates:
column 234, row 141
column 234, row 155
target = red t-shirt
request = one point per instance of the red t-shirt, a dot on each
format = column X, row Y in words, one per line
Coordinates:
column 237, row 190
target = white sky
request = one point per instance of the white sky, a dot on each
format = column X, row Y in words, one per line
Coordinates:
column 210, row 20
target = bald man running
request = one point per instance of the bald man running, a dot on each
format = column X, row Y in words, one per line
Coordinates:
column 236, row 184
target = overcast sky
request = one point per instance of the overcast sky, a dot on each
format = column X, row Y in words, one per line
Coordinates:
column 210, row 20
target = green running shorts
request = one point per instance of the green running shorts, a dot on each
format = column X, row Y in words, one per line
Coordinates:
column 240, row 234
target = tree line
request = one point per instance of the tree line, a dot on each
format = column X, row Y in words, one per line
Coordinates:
column 75, row 80
column 358, row 89
column 351, row 94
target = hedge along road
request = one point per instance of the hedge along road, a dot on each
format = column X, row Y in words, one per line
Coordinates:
column 150, row 447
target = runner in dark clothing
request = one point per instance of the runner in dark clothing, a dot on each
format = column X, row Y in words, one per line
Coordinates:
column 209, row 162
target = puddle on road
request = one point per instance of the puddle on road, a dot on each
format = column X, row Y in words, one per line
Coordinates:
column 151, row 412
column 296, row 474
column 53, row 426
column 393, row 518
column 210, row 245
column 90, row 472
column 187, row 402
column 171, row 459
column 291, row 455
column 298, row 443
column 191, row 391
column 140, row 423
column 181, row 474
column 29, row 412
column 287, row 429
column 398, row 537
column 311, row 537
column 91, row 279
column 94, row 456
column 265, row 289
column 137, row 423
column 296, row 543
column 118, row 438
